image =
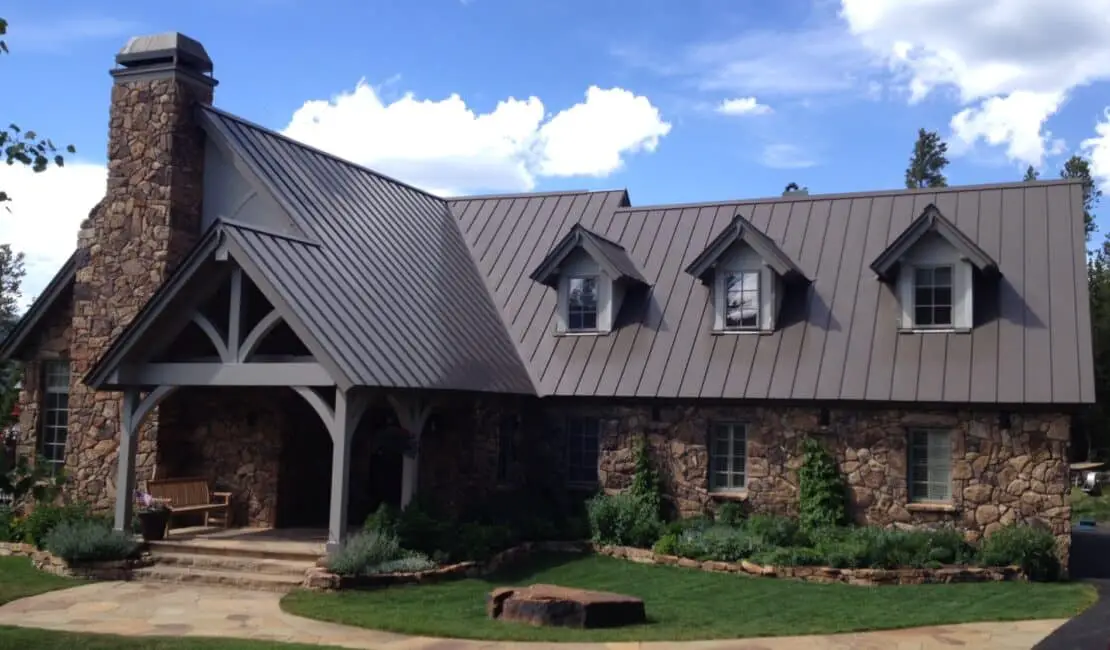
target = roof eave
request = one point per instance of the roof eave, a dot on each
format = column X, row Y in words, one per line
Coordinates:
column 62, row 280
column 886, row 265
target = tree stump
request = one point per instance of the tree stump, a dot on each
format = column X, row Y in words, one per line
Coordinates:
column 549, row 605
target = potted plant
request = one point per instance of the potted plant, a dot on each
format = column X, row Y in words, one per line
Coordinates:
column 153, row 515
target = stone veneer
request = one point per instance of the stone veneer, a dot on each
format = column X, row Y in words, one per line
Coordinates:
column 147, row 222
column 998, row 476
column 51, row 343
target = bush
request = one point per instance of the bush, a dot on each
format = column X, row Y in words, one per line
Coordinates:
column 384, row 520
column 667, row 544
column 480, row 541
column 367, row 552
column 890, row 548
column 720, row 543
column 821, row 489
column 421, row 528
column 11, row 528
column 623, row 520
column 774, row 530
column 89, row 541
column 44, row 518
column 701, row 522
column 645, row 480
column 729, row 514
column 408, row 564
column 1033, row 549
column 794, row 556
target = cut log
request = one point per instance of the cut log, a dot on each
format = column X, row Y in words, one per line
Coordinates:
column 550, row 605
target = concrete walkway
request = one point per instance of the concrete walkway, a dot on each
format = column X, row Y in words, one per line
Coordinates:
column 138, row 609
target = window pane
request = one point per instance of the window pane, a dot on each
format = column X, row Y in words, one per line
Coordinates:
column 942, row 316
column 923, row 315
column 942, row 276
column 582, row 449
column 923, row 276
column 942, row 296
column 727, row 455
column 923, row 296
column 742, row 300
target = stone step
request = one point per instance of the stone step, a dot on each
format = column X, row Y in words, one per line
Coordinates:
column 233, row 563
column 238, row 579
column 245, row 550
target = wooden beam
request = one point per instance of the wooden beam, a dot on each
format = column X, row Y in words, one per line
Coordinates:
column 222, row 374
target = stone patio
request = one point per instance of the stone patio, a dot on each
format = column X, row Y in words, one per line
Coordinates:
column 138, row 609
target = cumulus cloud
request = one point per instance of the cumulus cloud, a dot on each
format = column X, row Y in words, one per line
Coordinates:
column 1097, row 150
column 742, row 106
column 1011, row 63
column 446, row 147
column 45, row 212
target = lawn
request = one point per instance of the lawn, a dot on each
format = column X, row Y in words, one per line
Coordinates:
column 686, row 604
column 1086, row 506
column 19, row 579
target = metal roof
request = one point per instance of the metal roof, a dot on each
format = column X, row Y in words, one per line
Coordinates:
column 931, row 220
column 843, row 343
column 61, row 285
column 740, row 229
column 609, row 254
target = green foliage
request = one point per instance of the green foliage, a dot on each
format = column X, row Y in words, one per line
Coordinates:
column 89, row 540
column 1096, row 423
column 479, row 541
column 821, row 489
column 384, row 520
column 680, row 526
column 1031, row 174
column 1078, row 167
column 45, row 518
column 729, row 514
column 624, row 520
column 721, row 543
column 645, row 480
column 23, row 480
column 775, row 530
column 928, row 161
column 667, row 544
column 11, row 527
column 1033, row 549
column 889, row 548
column 370, row 551
column 789, row 556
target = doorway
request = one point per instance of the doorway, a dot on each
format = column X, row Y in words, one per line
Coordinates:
column 304, row 475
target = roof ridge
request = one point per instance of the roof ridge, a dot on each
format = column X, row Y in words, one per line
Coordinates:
column 254, row 125
column 981, row 187
column 518, row 195
column 242, row 225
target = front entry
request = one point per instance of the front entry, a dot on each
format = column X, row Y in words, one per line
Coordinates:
column 375, row 465
column 304, row 481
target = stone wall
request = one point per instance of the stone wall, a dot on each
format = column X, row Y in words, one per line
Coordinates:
column 148, row 220
column 51, row 343
column 998, row 476
column 233, row 438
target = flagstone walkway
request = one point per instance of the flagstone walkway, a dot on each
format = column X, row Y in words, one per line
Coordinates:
column 140, row 608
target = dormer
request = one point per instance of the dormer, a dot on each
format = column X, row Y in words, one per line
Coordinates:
column 931, row 267
column 592, row 276
column 748, row 275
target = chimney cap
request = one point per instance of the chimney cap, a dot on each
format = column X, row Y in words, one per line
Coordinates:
column 166, row 47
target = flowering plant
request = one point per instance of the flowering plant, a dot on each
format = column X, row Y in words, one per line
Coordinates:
column 149, row 504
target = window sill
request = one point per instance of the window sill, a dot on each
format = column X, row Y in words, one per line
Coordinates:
column 583, row 333
column 934, row 330
column 742, row 332
column 734, row 495
column 931, row 506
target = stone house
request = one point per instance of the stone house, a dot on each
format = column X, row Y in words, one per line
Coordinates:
column 319, row 338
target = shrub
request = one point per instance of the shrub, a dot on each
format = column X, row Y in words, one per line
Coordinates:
column 1033, row 549
column 720, row 543
column 729, row 514
column 667, row 544
column 821, row 490
column 645, row 480
column 700, row 522
column 384, row 520
column 365, row 550
column 774, row 530
column 889, row 548
column 792, row 556
column 480, row 541
column 420, row 528
column 11, row 528
column 44, row 518
column 623, row 520
column 408, row 564
column 89, row 541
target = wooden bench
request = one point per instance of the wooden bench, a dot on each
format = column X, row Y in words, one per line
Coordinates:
column 191, row 496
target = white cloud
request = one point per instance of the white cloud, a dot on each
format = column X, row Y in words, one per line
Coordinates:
column 1012, row 63
column 46, row 210
column 786, row 156
column 444, row 146
column 1097, row 150
column 742, row 106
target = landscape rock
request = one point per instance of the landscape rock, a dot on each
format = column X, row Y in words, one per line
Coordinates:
column 550, row 605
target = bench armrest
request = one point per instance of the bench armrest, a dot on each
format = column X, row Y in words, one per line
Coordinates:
column 221, row 497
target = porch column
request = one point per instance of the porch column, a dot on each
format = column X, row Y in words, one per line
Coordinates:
column 412, row 415
column 341, row 430
column 125, row 472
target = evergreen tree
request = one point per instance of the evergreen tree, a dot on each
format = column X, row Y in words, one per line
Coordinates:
column 928, row 161
column 1078, row 167
column 1031, row 174
column 1097, row 419
column 11, row 278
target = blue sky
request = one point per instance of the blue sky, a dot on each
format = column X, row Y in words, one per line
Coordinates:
column 827, row 93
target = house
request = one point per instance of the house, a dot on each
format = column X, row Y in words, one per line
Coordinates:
column 319, row 338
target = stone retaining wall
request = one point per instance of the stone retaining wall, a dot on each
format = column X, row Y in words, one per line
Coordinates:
column 46, row 561
column 859, row 577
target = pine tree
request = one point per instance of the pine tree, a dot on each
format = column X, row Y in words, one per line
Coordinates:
column 11, row 278
column 1078, row 167
column 928, row 161
column 1031, row 174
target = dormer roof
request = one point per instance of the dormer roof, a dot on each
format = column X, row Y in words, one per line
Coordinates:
column 741, row 230
column 931, row 221
column 609, row 255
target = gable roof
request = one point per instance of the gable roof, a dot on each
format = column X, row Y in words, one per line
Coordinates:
column 839, row 340
column 931, row 221
column 611, row 256
column 741, row 230
column 60, row 287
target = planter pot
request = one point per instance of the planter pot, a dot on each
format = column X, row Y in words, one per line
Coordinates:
column 152, row 525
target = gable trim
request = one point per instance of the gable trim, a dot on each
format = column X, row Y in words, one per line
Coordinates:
column 610, row 255
column 886, row 264
column 38, row 310
column 742, row 230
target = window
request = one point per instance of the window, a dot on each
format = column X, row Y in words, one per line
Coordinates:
column 932, row 296
column 930, row 465
column 55, row 412
column 506, row 449
column 728, row 457
column 582, row 304
column 583, row 435
column 742, row 300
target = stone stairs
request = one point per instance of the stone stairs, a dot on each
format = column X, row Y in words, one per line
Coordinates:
column 244, row 566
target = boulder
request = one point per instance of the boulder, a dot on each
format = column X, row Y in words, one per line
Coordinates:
column 564, row 606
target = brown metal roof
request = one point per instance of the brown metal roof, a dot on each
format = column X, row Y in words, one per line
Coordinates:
column 842, row 342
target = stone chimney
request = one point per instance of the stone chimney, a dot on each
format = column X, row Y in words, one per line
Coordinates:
column 149, row 219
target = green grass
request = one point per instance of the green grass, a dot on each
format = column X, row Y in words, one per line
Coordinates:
column 1084, row 505
column 686, row 604
column 20, row 579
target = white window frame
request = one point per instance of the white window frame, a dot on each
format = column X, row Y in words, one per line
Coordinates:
column 598, row 310
column 583, row 435
column 952, row 298
column 731, row 434
column 743, row 274
column 929, row 451
column 54, row 420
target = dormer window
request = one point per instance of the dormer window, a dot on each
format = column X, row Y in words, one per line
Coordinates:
column 582, row 302
column 931, row 267
column 932, row 296
column 748, row 275
column 592, row 275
